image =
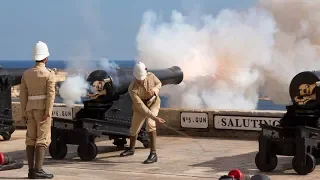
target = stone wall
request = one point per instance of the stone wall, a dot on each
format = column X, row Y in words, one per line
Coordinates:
column 173, row 125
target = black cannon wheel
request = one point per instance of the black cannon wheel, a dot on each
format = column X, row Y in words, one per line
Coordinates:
column 146, row 143
column 6, row 136
column 87, row 152
column 304, row 169
column 268, row 164
column 59, row 151
column 120, row 142
column 144, row 139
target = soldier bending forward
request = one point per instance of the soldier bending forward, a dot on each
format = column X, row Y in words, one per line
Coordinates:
column 37, row 94
column 144, row 92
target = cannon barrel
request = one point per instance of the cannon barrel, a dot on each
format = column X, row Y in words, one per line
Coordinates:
column 117, row 81
column 173, row 75
column 304, row 90
column 12, row 75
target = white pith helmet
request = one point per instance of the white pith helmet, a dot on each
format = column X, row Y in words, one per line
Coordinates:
column 40, row 51
column 140, row 71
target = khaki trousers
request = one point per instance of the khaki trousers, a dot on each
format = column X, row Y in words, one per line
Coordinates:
column 138, row 120
column 38, row 134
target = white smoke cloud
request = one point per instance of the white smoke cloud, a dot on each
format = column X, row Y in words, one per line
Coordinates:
column 78, row 68
column 227, row 59
column 221, row 66
column 296, row 44
column 82, row 60
column 76, row 87
column 73, row 89
column 231, row 57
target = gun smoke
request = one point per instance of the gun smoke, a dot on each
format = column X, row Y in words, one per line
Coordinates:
column 72, row 89
column 75, row 87
column 229, row 59
column 82, row 60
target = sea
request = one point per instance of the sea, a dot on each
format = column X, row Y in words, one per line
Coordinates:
column 60, row 64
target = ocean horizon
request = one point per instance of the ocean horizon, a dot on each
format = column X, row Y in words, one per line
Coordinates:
column 61, row 64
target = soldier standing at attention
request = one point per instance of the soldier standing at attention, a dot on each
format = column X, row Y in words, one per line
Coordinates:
column 144, row 92
column 37, row 94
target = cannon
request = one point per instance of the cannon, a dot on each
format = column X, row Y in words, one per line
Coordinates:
column 8, row 78
column 106, row 111
column 298, row 133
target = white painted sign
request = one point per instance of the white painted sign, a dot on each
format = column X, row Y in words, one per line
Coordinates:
column 194, row 120
column 62, row 112
column 243, row 123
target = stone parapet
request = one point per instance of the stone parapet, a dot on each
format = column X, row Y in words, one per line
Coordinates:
column 215, row 123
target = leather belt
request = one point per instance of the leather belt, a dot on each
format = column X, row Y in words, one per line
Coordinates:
column 39, row 97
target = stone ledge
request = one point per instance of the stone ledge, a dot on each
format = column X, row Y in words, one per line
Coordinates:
column 173, row 124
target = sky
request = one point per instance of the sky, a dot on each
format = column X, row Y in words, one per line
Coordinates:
column 90, row 28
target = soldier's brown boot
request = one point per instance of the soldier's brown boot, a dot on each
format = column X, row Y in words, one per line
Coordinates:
column 153, row 155
column 30, row 156
column 39, row 173
column 130, row 151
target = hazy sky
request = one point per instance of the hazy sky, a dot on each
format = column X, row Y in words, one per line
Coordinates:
column 75, row 27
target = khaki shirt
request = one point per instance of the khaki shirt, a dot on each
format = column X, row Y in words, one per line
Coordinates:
column 139, row 94
column 35, row 81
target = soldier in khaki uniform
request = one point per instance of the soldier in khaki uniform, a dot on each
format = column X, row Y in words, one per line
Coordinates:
column 37, row 94
column 144, row 92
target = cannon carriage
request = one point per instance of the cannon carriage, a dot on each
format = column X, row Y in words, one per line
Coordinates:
column 107, row 111
column 298, row 133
